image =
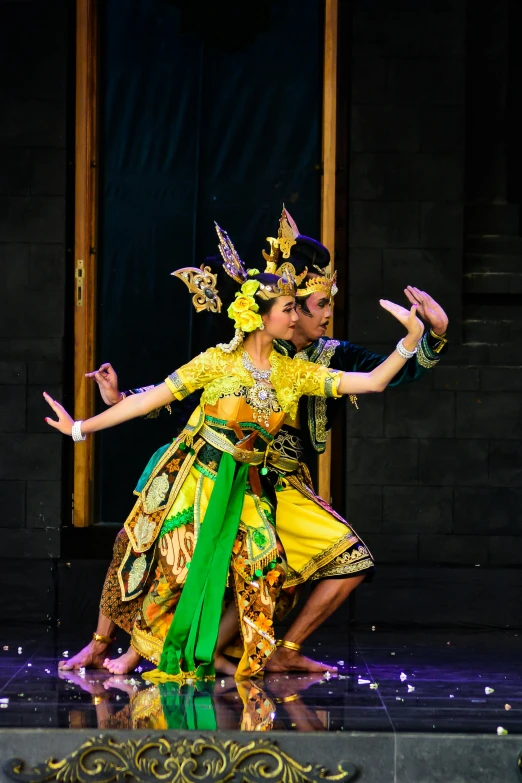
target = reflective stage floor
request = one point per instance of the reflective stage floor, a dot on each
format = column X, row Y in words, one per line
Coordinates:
column 433, row 681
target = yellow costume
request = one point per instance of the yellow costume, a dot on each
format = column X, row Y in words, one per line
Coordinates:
column 182, row 531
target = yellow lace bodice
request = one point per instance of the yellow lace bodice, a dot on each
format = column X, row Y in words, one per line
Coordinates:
column 221, row 374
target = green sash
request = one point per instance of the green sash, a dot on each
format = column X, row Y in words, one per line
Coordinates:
column 193, row 633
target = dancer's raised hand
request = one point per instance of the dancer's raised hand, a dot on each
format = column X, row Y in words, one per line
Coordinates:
column 408, row 318
column 107, row 381
column 429, row 310
column 65, row 422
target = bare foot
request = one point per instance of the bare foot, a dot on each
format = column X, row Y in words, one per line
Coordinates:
column 223, row 666
column 282, row 685
column 118, row 681
column 91, row 657
column 124, row 664
column 284, row 660
column 87, row 683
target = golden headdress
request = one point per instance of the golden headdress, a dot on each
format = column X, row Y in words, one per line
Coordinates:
column 324, row 283
column 233, row 266
column 288, row 237
column 202, row 283
column 280, row 248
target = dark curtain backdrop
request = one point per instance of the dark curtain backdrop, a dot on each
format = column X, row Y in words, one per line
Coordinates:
column 206, row 115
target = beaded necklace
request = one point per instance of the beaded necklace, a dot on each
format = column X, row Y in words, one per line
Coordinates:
column 261, row 397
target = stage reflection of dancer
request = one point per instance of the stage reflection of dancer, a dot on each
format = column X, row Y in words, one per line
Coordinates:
column 196, row 490
column 247, row 705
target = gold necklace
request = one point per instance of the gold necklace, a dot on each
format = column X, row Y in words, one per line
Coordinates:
column 261, row 397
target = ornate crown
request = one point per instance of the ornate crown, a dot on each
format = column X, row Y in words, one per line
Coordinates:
column 327, row 284
column 280, row 248
column 285, row 286
column 203, row 284
column 233, row 266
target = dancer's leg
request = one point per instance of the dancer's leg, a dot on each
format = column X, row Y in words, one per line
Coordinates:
column 322, row 602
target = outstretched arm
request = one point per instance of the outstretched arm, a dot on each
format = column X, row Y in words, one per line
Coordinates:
column 378, row 379
column 193, row 375
column 350, row 357
column 130, row 408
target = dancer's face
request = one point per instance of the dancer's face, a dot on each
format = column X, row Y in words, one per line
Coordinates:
column 313, row 317
column 280, row 321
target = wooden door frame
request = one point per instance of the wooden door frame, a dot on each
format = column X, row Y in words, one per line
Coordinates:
column 85, row 239
column 328, row 189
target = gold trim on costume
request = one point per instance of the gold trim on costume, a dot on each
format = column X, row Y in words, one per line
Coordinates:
column 322, row 559
column 317, row 409
column 147, row 645
column 442, row 341
column 338, row 547
column 423, row 359
column 345, row 563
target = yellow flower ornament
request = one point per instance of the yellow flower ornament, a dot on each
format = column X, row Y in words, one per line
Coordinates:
column 244, row 309
column 249, row 288
column 248, row 321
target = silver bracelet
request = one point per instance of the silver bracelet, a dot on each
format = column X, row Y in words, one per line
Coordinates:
column 402, row 351
column 76, row 432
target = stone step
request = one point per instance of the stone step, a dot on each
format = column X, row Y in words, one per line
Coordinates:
column 489, row 332
column 495, row 244
column 492, row 219
column 492, row 262
column 493, row 283
column 492, row 311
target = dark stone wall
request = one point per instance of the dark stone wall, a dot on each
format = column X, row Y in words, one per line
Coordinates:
column 33, row 93
column 433, row 469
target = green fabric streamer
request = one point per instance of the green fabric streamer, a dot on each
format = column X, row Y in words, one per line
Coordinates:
column 193, row 633
column 188, row 706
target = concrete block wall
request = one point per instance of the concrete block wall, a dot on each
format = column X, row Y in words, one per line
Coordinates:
column 33, row 95
column 433, row 469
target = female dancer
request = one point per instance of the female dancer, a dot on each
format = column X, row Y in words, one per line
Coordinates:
column 201, row 520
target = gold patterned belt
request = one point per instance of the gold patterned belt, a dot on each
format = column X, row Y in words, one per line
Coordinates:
column 285, row 464
column 222, row 443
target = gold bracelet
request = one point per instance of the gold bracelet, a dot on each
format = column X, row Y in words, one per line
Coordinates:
column 442, row 340
column 99, row 698
column 98, row 637
column 289, row 645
